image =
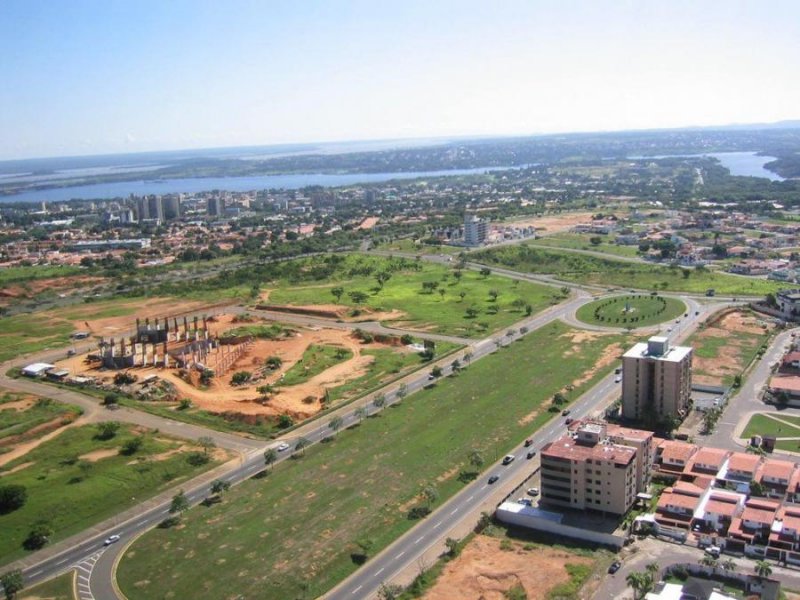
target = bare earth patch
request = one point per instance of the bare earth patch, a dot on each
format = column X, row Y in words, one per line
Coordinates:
column 730, row 356
column 96, row 455
column 549, row 224
column 48, row 430
column 485, row 572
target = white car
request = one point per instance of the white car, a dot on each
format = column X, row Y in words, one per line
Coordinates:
column 111, row 540
column 534, row 491
column 282, row 446
column 617, row 379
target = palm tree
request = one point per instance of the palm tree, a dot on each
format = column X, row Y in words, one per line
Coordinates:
column 729, row 565
column 652, row 569
column 641, row 582
column 708, row 561
column 379, row 401
column 763, row 568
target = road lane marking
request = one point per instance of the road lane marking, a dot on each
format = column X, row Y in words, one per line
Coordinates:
column 470, row 498
column 419, row 539
column 140, row 523
column 355, row 591
column 439, row 523
column 401, row 554
column 454, row 511
column 379, row 571
column 61, row 562
column 35, row 573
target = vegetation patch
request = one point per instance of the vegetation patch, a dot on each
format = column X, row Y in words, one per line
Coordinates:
column 316, row 359
column 24, row 334
column 634, row 310
column 58, row 588
column 594, row 270
column 319, row 511
column 67, row 493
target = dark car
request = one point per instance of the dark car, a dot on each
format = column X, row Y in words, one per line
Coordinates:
column 565, row 412
column 614, row 567
column 568, row 421
column 493, row 478
column 528, row 442
column 531, row 454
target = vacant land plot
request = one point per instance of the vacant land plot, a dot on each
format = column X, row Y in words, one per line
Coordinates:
column 633, row 310
column 726, row 345
column 23, row 334
column 420, row 296
column 76, row 479
column 558, row 223
column 310, row 513
column 583, row 241
column 315, row 360
column 58, row 588
column 24, row 418
column 608, row 272
column 415, row 246
column 490, row 568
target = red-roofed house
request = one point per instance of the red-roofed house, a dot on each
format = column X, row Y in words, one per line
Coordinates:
column 672, row 456
column 677, row 504
column 775, row 475
column 707, row 461
column 742, row 467
column 753, row 526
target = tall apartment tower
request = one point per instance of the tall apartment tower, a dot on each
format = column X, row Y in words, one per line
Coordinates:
column 656, row 380
column 475, row 230
column 172, row 207
column 215, row 206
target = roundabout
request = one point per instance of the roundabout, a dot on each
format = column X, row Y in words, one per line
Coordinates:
column 631, row 310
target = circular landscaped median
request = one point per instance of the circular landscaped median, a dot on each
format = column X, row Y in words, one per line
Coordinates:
column 632, row 310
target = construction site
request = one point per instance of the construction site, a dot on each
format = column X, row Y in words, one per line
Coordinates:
column 201, row 359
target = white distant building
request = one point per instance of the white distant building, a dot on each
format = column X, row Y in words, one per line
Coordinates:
column 37, row 369
column 656, row 380
column 475, row 230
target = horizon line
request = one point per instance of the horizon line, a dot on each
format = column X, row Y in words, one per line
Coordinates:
column 790, row 124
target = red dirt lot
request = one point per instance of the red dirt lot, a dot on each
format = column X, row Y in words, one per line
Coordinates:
column 484, row 571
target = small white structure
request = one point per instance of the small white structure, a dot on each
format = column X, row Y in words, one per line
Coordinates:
column 37, row 369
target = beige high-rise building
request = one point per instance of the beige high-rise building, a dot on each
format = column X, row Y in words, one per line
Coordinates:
column 656, row 380
column 587, row 471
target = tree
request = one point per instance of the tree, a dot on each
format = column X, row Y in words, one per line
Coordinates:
column 107, row 430
column 493, row 294
column 132, row 445
column 595, row 240
column 729, row 565
column 274, row 362
column 12, row 497
column 337, row 293
column 442, row 292
column 241, row 377
column 285, row 421
column 436, row 372
column 455, row 366
column 641, row 582
column 301, row 445
column 485, row 271
column 559, row 399
column 382, row 277
column 270, row 456
column 472, row 312
column 757, row 489
column 458, row 274
column 468, row 357
column 652, row 569
column 206, row 443
column 763, row 568
column 358, row 297
column 179, row 504
column 219, row 486
column 708, row 561
column 771, row 300
column 360, row 413
column 336, row 424
column 430, row 494
column 379, row 401
column 110, row 399
column 389, row 591
column 38, row 536
column 476, row 459
column 452, row 547
column 402, row 390
column 12, row 583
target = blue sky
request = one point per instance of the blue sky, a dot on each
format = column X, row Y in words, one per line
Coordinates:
column 105, row 76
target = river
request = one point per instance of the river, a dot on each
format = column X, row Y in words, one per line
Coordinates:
column 123, row 189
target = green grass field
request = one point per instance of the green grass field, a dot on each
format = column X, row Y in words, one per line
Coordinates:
column 408, row 245
column 761, row 424
column 636, row 310
column 444, row 309
column 608, row 272
column 73, row 493
column 22, row 334
column 316, row 359
column 18, row 423
column 580, row 241
column 300, row 524
column 12, row 275
column 58, row 588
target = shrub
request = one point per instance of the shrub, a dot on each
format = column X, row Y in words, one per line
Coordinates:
column 241, row 377
column 12, row 497
column 197, row 459
column 132, row 446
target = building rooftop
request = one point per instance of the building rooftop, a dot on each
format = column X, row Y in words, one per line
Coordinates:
column 776, row 469
column 709, row 458
column 676, row 451
column 568, row 448
column 743, row 463
column 673, row 353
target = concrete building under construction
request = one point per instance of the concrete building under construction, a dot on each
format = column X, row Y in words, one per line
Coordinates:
column 173, row 343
